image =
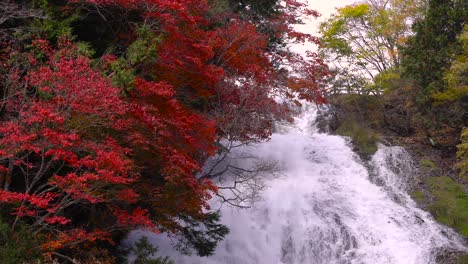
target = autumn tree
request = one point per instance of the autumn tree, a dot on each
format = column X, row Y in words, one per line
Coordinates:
column 244, row 101
column 364, row 40
column 57, row 133
column 111, row 107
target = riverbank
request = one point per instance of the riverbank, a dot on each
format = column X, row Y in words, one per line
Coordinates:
column 436, row 187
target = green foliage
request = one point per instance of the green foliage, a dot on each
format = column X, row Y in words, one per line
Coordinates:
column 84, row 49
column 142, row 51
column 144, row 48
column 418, row 196
column 462, row 155
column 344, row 80
column 144, row 253
column 387, row 80
column 123, row 75
column 19, row 246
column 376, row 54
column 365, row 40
column 364, row 138
column 331, row 39
column 434, row 61
column 435, row 35
column 427, row 163
column 363, row 109
column 456, row 77
column 463, row 259
column 203, row 236
column 57, row 23
column 355, row 11
column 450, row 205
column 337, row 30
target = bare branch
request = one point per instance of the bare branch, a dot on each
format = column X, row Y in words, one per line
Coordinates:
column 11, row 11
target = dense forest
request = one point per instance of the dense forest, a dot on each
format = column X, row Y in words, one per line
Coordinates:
column 110, row 108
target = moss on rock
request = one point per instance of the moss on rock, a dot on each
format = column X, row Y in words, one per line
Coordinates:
column 450, row 205
column 427, row 163
column 364, row 139
column 463, row 259
column 418, row 196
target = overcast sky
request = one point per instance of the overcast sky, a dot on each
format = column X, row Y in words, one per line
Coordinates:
column 324, row 7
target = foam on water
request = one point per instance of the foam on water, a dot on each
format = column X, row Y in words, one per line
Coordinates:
column 327, row 208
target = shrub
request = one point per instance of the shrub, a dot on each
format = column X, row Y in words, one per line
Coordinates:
column 19, row 246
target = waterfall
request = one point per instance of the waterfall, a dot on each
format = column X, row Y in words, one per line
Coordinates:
column 328, row 207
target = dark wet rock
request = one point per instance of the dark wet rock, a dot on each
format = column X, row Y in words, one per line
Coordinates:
column 448, row 256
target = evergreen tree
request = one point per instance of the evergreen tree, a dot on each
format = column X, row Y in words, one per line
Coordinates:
column 428, row 53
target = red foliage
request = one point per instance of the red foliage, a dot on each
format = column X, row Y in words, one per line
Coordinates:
column 76, row 142
column 71, row 142
column 184, row 53
column 241, row 50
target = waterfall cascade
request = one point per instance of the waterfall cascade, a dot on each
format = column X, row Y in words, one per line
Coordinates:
column 328, row 208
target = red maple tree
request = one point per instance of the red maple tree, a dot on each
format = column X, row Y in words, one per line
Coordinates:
column 83, row 157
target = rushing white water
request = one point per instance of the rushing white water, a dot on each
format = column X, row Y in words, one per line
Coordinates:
column 328, row 208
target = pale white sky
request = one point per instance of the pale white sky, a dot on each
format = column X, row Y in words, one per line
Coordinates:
column 324, row 7
column 327, row 7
